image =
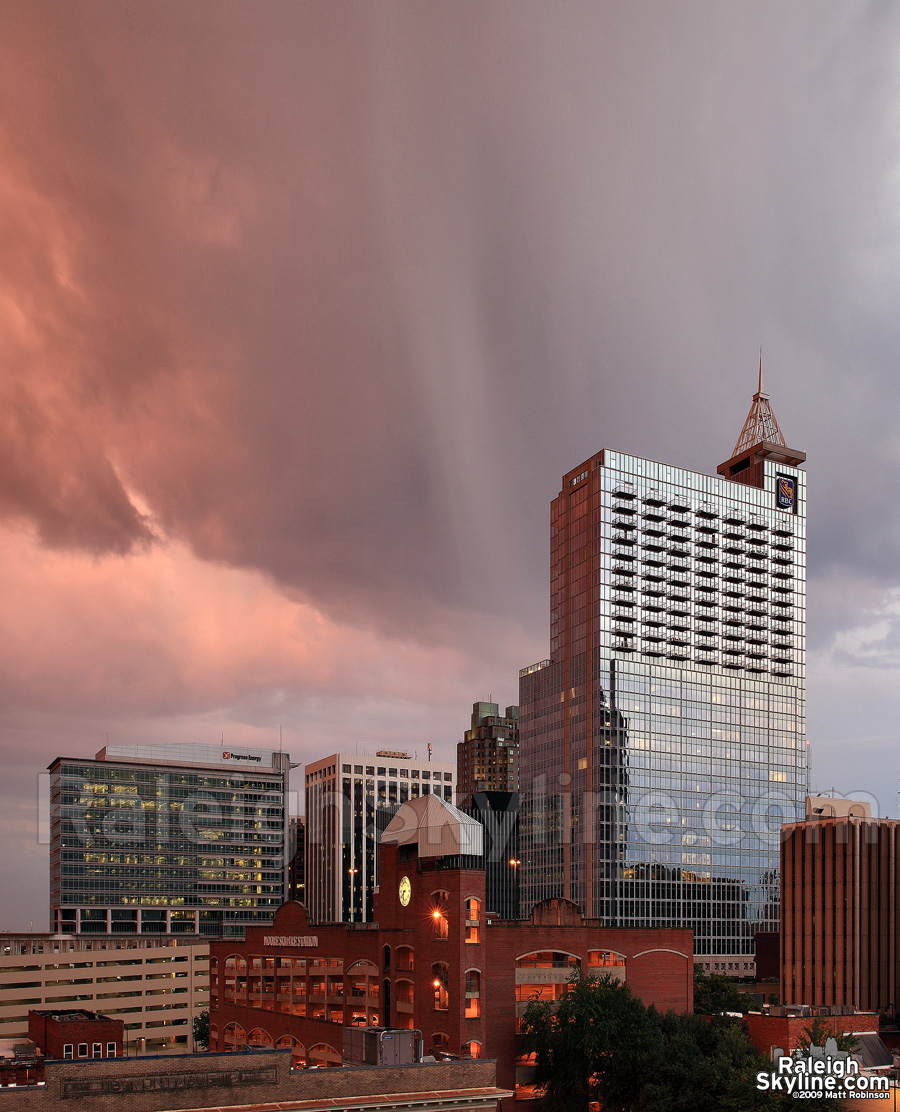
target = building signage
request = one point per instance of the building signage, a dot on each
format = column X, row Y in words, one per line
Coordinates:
column 168, row 1082
column 291, row 940
column 229, row 756
column 786, row 492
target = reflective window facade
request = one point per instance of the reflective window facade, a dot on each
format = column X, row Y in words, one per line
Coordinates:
column 160, row 847
column 663, row 743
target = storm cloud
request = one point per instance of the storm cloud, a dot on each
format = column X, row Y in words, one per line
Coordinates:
column 304, row 310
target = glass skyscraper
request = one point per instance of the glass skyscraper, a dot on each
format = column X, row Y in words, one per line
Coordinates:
column 168, row 839
column 663, row 742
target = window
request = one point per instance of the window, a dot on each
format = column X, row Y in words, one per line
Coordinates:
column 110, row 1050
column 448, row 775
column 68, row 1049
column 97, row 1050
column 473, row 919
column 440, row 980
column 473, row 994
column 439, row 915
column 82, row 1050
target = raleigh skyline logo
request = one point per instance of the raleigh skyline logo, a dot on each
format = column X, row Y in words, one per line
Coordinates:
column 227, row 755
column 825, row 1073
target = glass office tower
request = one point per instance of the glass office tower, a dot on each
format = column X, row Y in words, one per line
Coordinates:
column 168, row 839
column 663, row 742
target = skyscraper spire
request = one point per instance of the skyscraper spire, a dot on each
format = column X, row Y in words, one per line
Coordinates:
column 760, row 426
column 761, row 439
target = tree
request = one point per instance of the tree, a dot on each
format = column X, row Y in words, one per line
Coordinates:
column 201, row 1030
column 601, row 1044
column 585, row 1048
column 820, row 1031
column 716, row 993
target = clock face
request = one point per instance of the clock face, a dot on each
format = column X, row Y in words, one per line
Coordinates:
column 405, row 890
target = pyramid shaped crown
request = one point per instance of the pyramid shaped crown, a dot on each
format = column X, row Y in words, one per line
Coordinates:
column 760, row 426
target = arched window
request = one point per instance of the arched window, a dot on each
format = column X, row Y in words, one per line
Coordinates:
column 324, row 1056
column 260, row 1037
column 235, row 1037
column 440, row 980
column 404, row 962
column 439, row 907
column 473, row 993
column 298, row 1051
column 473, row 919
column 440, row 1042
column 542, row 975
column 606, row 962
column 472, row 1048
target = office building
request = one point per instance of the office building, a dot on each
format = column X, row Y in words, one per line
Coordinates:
column 663, row 740
column 297, row 858
column 155, row 986
column 434, row 961
column 498, row 813
column 167, row 839
column 350, row 799
column 840, row 881
column 487, row 759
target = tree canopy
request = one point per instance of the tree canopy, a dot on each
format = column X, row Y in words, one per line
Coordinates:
column 716, row 993
column 601, row 1044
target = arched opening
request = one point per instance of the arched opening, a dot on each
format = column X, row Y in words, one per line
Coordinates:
column 542, row 975
column 606, row 963
column 298, row 1051
column 440, row 981
column 473, row 919
column 404, row 1002
column 234, row 1037
column 323, row 1056
column 361, row 1001
column 260, row 1037
column 440, row 1043
column 440, row 902
column 473, row 993
column 473, row 1048
column 404, row 960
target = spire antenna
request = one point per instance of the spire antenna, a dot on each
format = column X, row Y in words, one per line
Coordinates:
column 761, row 426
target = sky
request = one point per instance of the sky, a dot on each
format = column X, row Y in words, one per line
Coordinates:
column 305, row 308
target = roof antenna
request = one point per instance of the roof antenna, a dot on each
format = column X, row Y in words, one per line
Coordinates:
column 760, row 390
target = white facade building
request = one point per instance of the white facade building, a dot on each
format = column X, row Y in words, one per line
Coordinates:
column 350, row 799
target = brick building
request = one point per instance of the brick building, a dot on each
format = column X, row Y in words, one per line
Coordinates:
column 76, row 1033
column 432, row 960
column 840, row 872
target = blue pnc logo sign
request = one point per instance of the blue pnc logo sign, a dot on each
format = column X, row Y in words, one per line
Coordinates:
column 787, row 489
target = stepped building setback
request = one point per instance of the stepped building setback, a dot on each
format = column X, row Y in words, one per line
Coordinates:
column 663, row 742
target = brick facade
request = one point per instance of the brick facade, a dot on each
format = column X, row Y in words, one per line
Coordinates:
column 261, row 1078
column 287, row 992
column 786, row 1031
column 74, row 1033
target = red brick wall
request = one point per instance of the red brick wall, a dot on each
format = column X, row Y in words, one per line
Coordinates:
column 52, row 1034
column 659, row 963
column 767, row 1031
